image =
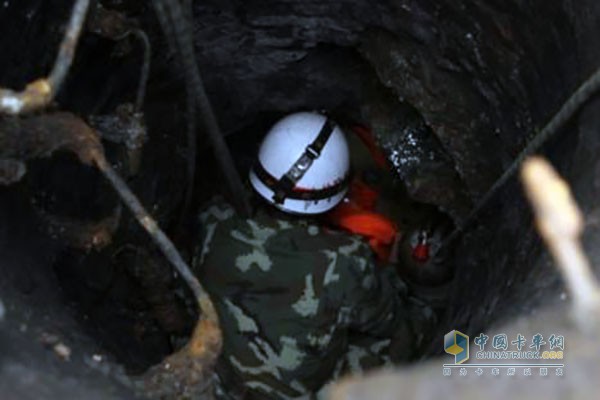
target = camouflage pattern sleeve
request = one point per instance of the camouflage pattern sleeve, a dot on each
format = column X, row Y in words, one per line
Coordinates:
column 216, row 211
column 387, row 317
column 377, row 301
column 371, row 303
column 369, row 297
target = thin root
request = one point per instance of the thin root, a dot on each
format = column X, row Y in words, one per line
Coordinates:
column 176, row 23
column 142, row 37
column 573, row 104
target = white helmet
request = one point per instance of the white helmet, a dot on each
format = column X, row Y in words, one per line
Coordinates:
column 303, row 164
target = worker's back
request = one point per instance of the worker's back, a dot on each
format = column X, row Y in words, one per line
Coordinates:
column 289, row 296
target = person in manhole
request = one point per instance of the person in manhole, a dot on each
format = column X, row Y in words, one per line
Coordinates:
column 300, row 288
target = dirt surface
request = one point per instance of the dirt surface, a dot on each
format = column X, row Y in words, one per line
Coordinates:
column 38, row 319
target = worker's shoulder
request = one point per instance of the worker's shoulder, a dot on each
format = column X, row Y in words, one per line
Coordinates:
column 268, row 232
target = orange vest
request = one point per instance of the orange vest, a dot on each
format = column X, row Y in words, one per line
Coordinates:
column 356, row 213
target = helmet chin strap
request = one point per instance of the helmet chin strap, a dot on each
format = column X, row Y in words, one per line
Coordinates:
column 288, row 181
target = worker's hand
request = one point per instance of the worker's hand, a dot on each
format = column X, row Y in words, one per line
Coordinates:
column 421, row 268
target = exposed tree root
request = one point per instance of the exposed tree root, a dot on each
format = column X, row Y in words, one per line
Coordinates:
column 560, row 224
column 188, row 370
column 176, row 24
column 38, row 94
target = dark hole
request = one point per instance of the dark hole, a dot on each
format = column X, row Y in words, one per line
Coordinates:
column 453, row 93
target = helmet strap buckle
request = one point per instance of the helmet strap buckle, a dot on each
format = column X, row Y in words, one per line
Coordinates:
column 312, row 152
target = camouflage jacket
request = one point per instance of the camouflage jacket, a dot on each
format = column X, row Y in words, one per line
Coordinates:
column 298, row 305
